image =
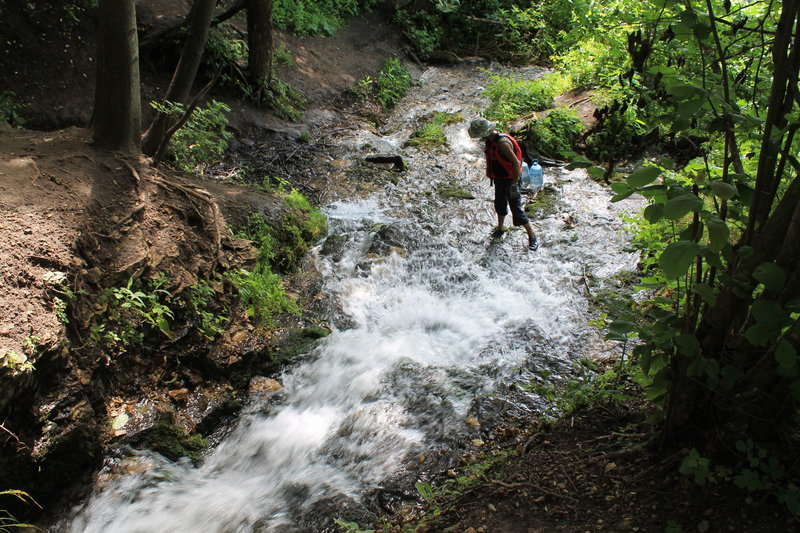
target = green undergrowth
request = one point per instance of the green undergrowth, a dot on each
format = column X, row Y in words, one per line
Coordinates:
column 320, row 17
column 511, row 98
column 391, row 84
column 204, row 137
column 510, row 31
column 281, row 246
column 555, row 135
column 226, row 50
column 9, row 107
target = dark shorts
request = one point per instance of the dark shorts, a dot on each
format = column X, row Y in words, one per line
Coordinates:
column 508, row 195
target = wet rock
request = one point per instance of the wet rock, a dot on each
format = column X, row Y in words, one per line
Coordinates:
column 179, row 395
column 322, row 514
column 169, row 440
column 396, row 161
column 387, row 237
column 263, row 385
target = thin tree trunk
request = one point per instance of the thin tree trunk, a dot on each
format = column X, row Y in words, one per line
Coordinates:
column 259, row 41
column 183, row 77
column 782, row 52
column 117, row 115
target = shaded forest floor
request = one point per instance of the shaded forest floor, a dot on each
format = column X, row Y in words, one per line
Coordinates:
column 591, row 471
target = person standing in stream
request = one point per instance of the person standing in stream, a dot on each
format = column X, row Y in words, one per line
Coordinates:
column 503, row 165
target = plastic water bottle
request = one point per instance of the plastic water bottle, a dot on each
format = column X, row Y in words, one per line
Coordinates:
column 524, row 176
column 536, row 174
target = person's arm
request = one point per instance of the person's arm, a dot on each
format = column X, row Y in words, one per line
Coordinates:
column 506, row 150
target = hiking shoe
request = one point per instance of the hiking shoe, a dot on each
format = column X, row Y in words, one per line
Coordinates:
column 498, row 232
column 533, row 243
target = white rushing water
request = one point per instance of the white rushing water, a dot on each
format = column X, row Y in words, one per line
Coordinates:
column 426, row 325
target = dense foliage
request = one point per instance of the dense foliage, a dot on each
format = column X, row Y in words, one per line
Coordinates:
column 320, row 17
column 711, row 88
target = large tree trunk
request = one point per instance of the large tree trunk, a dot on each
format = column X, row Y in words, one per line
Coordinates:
column 259, row 41
column 117, row 116
column 183, row 77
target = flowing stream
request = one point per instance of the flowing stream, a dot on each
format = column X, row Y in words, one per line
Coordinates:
column 432, row 319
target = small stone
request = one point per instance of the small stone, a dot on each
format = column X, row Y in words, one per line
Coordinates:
column 703, row 526
column 477, row 442
column 179, row 395
column 610, row 467
column 261, row 384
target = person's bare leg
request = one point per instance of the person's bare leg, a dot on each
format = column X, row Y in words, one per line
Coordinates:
column 500, row 219
column 533, row 242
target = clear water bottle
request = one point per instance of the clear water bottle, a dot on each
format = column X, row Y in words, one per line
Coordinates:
column 525, row 176
column 536, row 175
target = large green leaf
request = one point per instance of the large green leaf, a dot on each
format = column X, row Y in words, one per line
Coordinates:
column 771, row 275
column 723, row 190
column 785, row 354
column 597, row 173
column 718, row 231
column 619, row 197
column 706, row 293
column 769, row 312
column 620, row 188
column 687, row 344
column 761, row 334
column 677, row 258
column 653, row 212
column 676, row 208
column 578, row 164
column 643, row 176
column 685, row 91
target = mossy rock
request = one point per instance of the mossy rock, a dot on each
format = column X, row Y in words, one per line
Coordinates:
column 299, row 341
column 285, row 349
column 171, row 441
column 543, row 204
column 453, row 189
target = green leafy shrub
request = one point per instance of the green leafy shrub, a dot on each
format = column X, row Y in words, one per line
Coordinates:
column 225, row 56
column 511, row 98
column 8, row 109
column 321, row 17
column 225, row 53
column 202, row 139
column 129, row 312
column 200, row 298
column 616, row 137
column 393, row 83
column 286, row 101
column 422, row 28
column 280, row 249
column 502, row 29
column 593, row 63
column 555, row 134
column 261, row 292
column 284, row 56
